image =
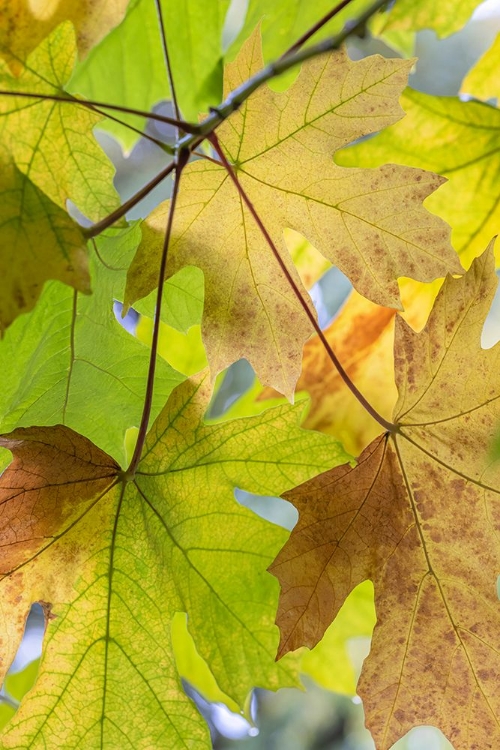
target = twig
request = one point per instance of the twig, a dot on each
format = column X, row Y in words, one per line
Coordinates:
column 179, row 165
column 389, row 426
column 115, row 216
column 92, row 103
column 168, row 65
column 317, row 26
column 238, row 96
column 197, row 133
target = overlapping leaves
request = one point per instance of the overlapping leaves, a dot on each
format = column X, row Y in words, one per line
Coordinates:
column 419, row 516
column 370, row 223
column 174, row 539
column 48, row 156
column 462, row 143
column 114, row 557
column 71, row 346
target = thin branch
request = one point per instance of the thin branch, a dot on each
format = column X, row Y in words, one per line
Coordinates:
column 205, row 156
column 115, row 216
column 92, row 103
column 343, row 374
column 317, row 26
column 238, row 96
column 180, row 163
column 167, row 63
column 142, row 133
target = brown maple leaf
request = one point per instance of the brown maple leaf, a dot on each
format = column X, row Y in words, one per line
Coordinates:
column 419, row 515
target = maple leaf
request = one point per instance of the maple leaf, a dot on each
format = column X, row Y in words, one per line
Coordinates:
column 52, row 142
column 482, row 80
column 24, row 23
column 369, row 223
column 112, row 75
column 362, row 335
column 463, row 142
column 419, row 516
column 288, row 21
column 406, row 15
column 71, row 346
column 39, row 241
column 113, row 560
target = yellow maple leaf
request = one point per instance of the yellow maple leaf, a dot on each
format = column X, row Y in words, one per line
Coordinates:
column 24, row 23
column 370, row 223
column 38, row 241
column 419, row 516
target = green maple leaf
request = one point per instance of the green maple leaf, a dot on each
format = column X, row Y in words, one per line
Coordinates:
column 71, row 346
column 52, row 142
column 288, row 20
column 369, row 223
column 111, row 74
column 113, row 560
column 38, row 241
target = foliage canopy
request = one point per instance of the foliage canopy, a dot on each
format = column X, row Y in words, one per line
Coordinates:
column 121, row 533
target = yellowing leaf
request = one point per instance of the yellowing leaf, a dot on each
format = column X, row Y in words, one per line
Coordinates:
column 38, row 241
column 25, row 23
column 445, row 18
column 330, row 663
column 369, row 223
column 462, row 142
column 308, row 262
column 419, row 515
column 362, row 336
column 483, row 81
column 52, row 142
column 114, row 559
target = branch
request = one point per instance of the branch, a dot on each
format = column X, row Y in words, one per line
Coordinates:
column 317, row 26
column 115, row 216
column 389, row 426
column 167, row 61
column 92, row 103
column 179, row 165
column 238, row 96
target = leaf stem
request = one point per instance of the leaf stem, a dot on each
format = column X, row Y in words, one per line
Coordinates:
column 197, row 133
column 389, row 426
column 92, row 103
column 179, row 164
column 239, row 95
column 168, row 66
column 317, row 26
column 115, row 216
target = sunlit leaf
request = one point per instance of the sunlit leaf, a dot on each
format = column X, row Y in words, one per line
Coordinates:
column 463, row 144
column 71, row 349
column 113, row 559
column 419, row 517
column 52, row 142
column 25, row 23
column 370, row 223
